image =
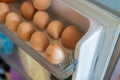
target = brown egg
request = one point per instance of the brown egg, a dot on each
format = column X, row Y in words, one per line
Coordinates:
column 39, row 41
column 55, row 29
column 8, row 1
column 4, row 9
column 25, row 30
column 55, row 53
column 70, row 36
column 27, row 10
column 12, row 21
column 41, row 4
column 41, row 19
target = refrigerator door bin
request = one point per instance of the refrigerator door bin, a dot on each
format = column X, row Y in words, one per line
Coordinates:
column 61, row 72
column 106, row 35
column 90, row 49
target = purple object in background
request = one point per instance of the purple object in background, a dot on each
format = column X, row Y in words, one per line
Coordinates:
column 116, row 72
column 14, row 75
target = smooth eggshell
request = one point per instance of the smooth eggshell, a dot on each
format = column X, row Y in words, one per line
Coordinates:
column 27, row 10
column 12, row 21
column 41, row 19
column 25, row 30
column 39, row 41
column 55, row 53
column 70, row 36
column 4, row 9
column 41, row 4
column 55, row 29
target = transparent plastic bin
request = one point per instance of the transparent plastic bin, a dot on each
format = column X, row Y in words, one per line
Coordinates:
column 92, row 51
column 61, row 72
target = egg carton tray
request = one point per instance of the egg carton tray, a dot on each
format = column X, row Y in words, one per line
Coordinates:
column 59, row 73
column 56, row 11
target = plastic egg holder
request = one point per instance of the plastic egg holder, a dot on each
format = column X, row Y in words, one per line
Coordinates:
column 69, row 53
column 60, row 71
